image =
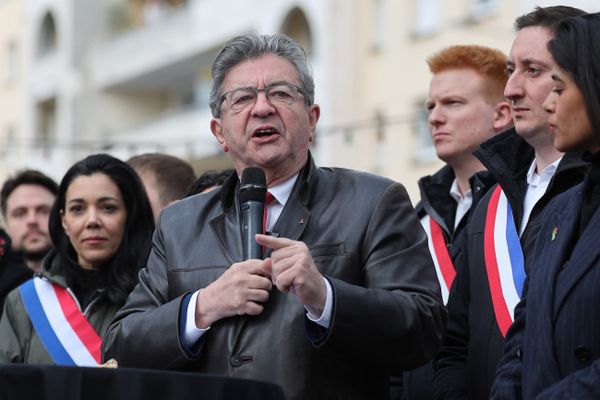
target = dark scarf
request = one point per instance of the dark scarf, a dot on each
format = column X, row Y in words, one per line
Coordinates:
column 84, row 283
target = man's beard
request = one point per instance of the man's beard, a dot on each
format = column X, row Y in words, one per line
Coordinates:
column 35, row 255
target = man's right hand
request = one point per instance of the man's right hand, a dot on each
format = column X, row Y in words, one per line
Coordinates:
column 239, row 291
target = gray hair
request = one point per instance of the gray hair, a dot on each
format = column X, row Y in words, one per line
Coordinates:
column 251, row 46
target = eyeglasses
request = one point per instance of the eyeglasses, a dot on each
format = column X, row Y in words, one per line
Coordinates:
column 280, row 94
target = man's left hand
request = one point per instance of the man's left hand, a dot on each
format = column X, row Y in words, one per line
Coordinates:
column 293, row 270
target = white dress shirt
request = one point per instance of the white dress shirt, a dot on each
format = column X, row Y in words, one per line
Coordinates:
column 536, row 187
column 463, row 202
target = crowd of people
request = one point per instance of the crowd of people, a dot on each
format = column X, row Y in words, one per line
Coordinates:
column 485, row 289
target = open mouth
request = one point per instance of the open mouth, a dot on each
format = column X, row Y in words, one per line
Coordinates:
column 265, row 132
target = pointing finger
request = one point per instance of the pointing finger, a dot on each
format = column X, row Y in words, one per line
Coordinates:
column 273, row 242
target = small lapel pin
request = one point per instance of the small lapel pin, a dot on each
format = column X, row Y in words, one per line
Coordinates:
column 554, row 233
column 301, row 221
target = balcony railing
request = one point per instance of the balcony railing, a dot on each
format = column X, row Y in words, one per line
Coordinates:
column 183, row 33
column 184, row 132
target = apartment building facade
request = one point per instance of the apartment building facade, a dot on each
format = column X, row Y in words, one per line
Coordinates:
column 133, row 76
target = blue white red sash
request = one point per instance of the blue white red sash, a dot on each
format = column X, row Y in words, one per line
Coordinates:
column 63, row 330
column 504, row 260
column 444, row 268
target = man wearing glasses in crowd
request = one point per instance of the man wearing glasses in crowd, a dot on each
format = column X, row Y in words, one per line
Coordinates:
column 347, row 290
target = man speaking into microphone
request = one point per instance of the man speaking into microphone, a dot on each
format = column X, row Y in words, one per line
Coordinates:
column 346, row 290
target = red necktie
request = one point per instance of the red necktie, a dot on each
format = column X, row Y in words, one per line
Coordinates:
column 268, row 200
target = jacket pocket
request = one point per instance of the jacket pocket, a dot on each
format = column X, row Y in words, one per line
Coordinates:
column 334, row 261
column 327, row 249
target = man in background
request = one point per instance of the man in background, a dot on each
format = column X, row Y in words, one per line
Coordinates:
column 466, row 106
column 166, row 178
column 13, row 270
column 208, row 181
column 26, row 200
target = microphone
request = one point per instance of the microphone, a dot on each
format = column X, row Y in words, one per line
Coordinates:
column 253, row 192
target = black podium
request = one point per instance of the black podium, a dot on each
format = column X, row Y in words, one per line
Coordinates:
column 41, row 382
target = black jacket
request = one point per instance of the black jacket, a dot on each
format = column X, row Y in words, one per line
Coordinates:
column 363, row 235
column 437, row 202
column 466, row 365
column 13, row 270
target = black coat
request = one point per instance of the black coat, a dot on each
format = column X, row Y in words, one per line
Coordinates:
column 553, row 348
column 13, row 270
column 437, row 202
column 466, row 365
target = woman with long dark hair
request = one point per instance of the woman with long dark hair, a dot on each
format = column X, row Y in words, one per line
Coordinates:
column 101, row 226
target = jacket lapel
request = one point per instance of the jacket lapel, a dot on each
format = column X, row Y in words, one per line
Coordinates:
column 292, row 221
column 295, row 215
column 228, row 233
column 585, row 253
column 226, row 226
column 559, row 239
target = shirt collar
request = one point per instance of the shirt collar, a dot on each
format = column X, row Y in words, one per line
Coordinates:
column 544, row 178
column 455, row 191
column 282, row 190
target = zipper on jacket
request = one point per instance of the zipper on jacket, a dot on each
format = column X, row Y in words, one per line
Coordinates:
column 89, row 306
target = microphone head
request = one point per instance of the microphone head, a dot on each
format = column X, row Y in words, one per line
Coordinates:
column 253, row 185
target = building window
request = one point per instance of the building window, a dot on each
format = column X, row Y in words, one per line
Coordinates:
column 379, row 25
column 46, row 124
column 427, row 18
column 47, row 41
column 483, row 8
column 424, row 148
column 12, row 62
column 296, row 26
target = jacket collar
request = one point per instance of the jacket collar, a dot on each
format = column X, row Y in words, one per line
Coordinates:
column 507, row 156
column 435, row 195
column 306, row 179
column 52, row 269
column 291, row 222
column 295, row 215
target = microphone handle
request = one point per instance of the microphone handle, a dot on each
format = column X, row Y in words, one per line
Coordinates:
column 252, row 220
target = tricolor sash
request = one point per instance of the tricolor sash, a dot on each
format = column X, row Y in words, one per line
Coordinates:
column 504, row 260
column 62, row 328
column 444, row 268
